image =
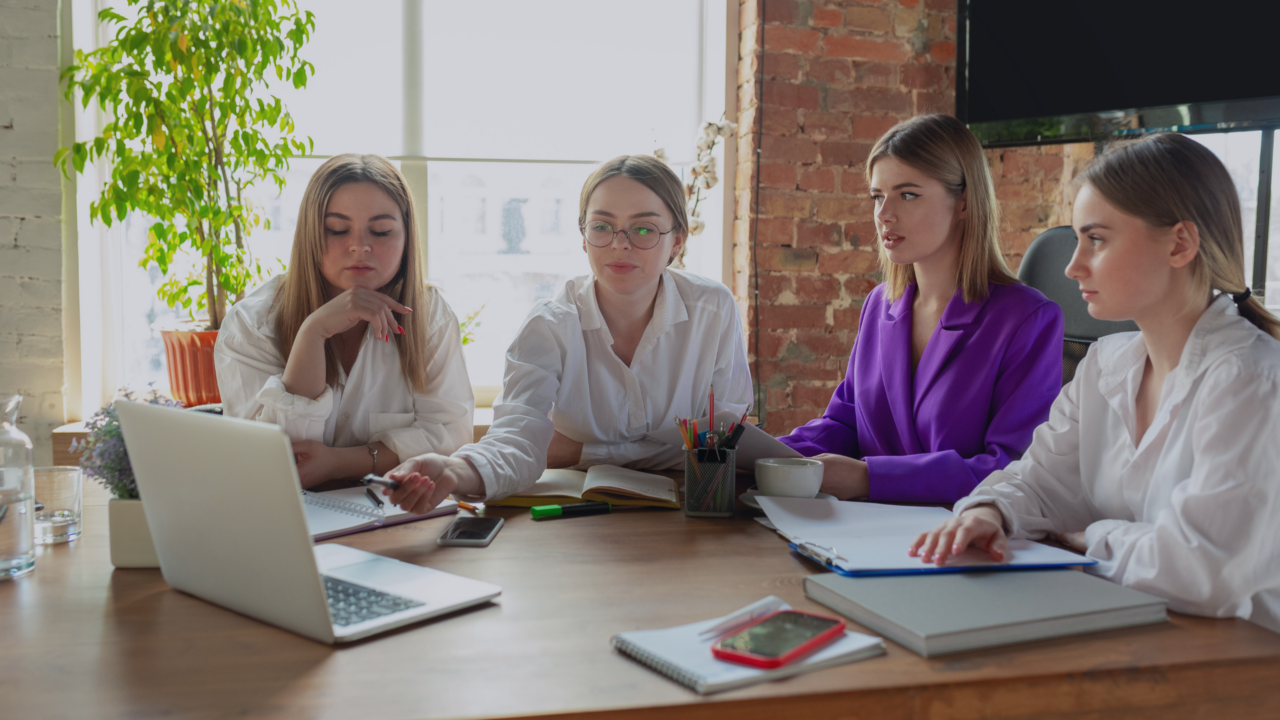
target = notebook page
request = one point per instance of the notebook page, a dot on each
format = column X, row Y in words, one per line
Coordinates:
column 393, row 513
column 330, row 515
column 623, row 481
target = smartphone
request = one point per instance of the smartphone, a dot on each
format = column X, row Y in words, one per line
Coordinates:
column 471, row 531
column 779, row 638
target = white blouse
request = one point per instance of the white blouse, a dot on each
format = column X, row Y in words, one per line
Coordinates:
column 375, row 403
column 562, row 374
column 1191, row 510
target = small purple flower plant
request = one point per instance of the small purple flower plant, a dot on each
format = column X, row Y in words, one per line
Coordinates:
column 103, row 455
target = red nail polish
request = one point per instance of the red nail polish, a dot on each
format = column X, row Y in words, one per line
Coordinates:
column 400, row 329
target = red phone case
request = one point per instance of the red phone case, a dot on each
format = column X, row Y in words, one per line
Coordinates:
column 795, row 653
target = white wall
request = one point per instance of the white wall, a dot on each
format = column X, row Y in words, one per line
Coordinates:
column 31, row 332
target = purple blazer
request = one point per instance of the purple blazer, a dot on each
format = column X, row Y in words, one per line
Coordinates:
column 985, row 381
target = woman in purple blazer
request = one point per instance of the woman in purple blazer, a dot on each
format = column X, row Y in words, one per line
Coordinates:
column 955, row 363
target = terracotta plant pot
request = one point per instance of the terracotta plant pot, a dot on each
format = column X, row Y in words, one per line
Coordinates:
column 189, row 354
column 131, row 545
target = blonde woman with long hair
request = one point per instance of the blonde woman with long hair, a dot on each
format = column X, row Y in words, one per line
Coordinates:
column 351, row 352
column 955, row 362
column 613, row 357
column 1159, row 459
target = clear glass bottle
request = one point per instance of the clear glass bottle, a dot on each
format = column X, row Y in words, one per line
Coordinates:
column 17, row 490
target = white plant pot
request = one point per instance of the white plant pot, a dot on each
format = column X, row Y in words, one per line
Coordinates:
column 131, row 545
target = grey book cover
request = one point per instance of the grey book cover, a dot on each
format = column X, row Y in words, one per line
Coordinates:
column 934, row 614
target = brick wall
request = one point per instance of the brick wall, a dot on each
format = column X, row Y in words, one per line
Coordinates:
column 835, row 76
column 31, row 353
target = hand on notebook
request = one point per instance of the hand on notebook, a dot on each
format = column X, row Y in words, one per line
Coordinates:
column 426, row 480
column 981, row 527
column 844, row 477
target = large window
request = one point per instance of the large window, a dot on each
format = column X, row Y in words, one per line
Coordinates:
column 496, row 117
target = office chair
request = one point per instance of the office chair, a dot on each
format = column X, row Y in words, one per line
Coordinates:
column 1042, row 268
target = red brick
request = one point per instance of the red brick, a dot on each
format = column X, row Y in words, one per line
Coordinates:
column 781, row 121
column 780, row 11
column 876, row 74
column 778, row 397
column 1017, row 164
column 781, row 422
column 922, row 77
column 881, row 101
column 840, row 209
column 1051, row 166
column 785, row 39
column 827, row 17
column 829, row 70
column 856, row 234
column 868, row 19
column 950, row 26
column 793, row 316
column 772, row 343
column 808, row 396
column 852, row 181
column 848, row 262
column 932, row 102
column 861, row 48
column 908, row 3
column 781, row 65
column 817, row 288
column 1027, row 216
column 844, row 153
column 847, row 318
column 787, row 149
column 773, row 204
column 859, row 286
column 819, row 180
column 790, row 95
column 773, row 285
column 776, row 231
column 818, row 235
column 839, row 100
column 871, row 127
column 826, row 124
column 779, row 176
column 822, row 342
column 943, row 52
column 943, row 5
column 786, row 259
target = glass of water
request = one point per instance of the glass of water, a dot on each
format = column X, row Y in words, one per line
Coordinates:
column 59, row 490
column 17, row 553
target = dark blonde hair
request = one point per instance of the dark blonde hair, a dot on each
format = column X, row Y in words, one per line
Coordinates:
column 648, row 171
column 941, row 147
column 302, row 291
column 1165, row 179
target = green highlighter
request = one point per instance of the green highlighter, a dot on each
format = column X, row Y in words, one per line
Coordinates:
column 547, row 512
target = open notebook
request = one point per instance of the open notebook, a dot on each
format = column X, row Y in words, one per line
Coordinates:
column 342, row 512
column 604, row 483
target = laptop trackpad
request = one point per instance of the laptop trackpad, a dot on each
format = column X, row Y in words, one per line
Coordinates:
column 374, row 571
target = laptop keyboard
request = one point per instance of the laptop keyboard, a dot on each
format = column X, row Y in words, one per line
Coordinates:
column 350, row 603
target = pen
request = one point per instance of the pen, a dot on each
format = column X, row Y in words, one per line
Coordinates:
column 545, row 512
column 372, row 479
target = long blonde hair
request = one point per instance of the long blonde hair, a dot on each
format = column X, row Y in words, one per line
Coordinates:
column 941, row 147
column 1166, row 178
column 302, row 291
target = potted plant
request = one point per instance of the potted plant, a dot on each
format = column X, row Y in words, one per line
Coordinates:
column 192, row 124
column 104, row 458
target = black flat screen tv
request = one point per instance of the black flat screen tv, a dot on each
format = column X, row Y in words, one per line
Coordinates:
column 1038, row 71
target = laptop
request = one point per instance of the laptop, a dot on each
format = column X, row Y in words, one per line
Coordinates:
column 224, row 506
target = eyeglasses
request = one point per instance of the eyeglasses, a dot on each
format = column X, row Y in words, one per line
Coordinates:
column 642, row 235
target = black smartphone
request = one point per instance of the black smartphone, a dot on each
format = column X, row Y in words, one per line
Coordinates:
column 471, row 532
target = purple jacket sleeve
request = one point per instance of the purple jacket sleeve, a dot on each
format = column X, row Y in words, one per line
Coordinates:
column 1028, row 380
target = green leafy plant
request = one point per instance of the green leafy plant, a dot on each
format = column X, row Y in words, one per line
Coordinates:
column 184, row 85
column 468, row 326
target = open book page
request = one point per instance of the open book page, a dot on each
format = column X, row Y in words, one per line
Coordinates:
column 621, row 486
column 555, row 487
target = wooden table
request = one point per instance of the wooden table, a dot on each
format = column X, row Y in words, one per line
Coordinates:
column 79, row 640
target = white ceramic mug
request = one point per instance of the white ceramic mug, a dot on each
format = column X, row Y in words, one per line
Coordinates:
column 789, row 477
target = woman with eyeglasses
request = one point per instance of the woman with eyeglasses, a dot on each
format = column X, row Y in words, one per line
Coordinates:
column 616, row 355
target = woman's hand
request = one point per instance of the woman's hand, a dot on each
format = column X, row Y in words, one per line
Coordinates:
column 563, row 452
column 981, row 527
column 1073, row 540
column 352, row 306
column 426, row 480
column 315, row 462
column 844, row 477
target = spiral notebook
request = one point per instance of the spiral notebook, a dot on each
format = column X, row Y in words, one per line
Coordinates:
column 342, row 512
column 684, row 654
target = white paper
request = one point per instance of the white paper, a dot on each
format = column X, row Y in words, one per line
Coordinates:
column 831, row 518
column 755, row 444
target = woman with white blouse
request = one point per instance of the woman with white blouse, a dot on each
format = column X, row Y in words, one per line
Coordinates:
column 350, row 352
column 616, row 355
column 1159, row 460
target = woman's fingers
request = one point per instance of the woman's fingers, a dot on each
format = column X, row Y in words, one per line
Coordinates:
column 999, row 548
column 915, row 546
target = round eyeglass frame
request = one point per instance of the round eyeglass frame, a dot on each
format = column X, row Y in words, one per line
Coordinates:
column 627, row 233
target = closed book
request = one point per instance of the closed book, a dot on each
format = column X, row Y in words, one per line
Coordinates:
column 947, row 613
column 683, row 654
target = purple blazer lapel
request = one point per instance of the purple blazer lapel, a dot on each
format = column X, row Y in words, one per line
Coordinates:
column 895, row 368
column 953, row 328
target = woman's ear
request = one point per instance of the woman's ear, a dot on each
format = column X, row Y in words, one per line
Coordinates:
column 962, row 204
column 1186, row 244
column 676, row 246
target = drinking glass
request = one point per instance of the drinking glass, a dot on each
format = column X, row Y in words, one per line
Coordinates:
column 17, row 551
column 59, row 490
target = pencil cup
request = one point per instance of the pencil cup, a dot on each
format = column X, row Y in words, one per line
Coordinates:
column 709, row 476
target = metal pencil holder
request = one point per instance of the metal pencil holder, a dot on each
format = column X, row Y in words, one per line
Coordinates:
column 709, row 476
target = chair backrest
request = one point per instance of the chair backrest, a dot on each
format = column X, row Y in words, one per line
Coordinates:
column 1043, row 268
